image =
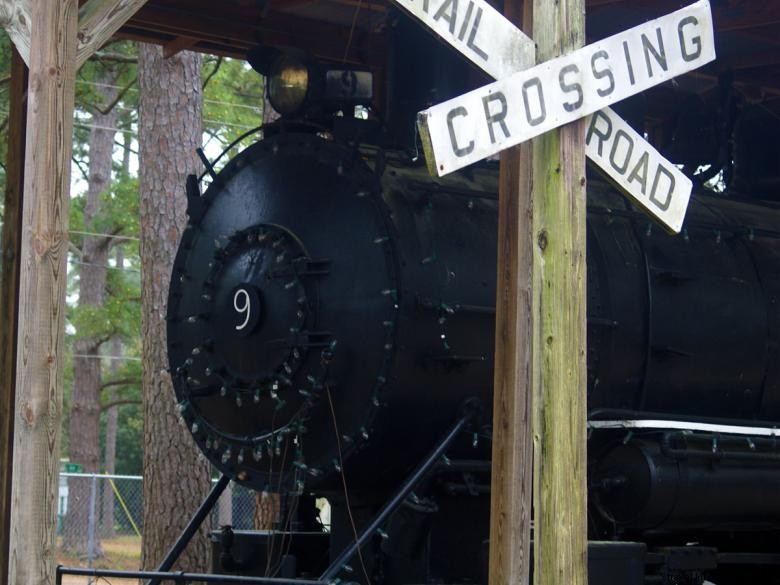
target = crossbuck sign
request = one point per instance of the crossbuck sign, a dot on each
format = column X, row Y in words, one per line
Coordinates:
column 527, row 101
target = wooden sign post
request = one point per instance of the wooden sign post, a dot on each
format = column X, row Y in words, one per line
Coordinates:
column 558, row 320
column 513, row 374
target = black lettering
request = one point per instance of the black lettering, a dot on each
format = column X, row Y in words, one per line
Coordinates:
column 658, row 53
column 640, row 172
column 600, row 74
column 612, row 153
column 425, row 6
column 471, row 44
column 695, row 41
column 464, row 27
column 497, row 118
column 451, row 115
column 534, row 81
column 452, row 17
column 628, row 62
column 593, row 131
column 662, row 205
column 567, row 87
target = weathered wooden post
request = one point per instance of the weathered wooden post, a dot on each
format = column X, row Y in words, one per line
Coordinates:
column 540, row 338
column 54, row 38
column 40, row 356
column 558, row 322
column 512, row 464
column 9, row 290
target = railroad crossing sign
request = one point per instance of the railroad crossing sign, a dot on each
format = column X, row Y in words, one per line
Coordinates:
column 527, row 101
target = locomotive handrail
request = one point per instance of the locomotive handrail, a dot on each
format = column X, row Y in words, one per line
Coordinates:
column 178, row 577
column 282, row 125
column 658, row 424
column 608, row 418
column 192, row 527
column 427, row 464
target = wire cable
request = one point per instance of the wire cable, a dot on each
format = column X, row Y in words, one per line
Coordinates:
column 344, row 483
column 352, row 31
column 116, row 237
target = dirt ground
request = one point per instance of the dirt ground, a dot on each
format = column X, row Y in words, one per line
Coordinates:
column 122, row 553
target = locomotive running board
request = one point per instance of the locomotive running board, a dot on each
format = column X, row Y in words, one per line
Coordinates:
column 679, row 425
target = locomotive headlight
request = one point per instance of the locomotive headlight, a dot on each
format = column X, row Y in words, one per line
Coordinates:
column 300, row 85
column 288, row 84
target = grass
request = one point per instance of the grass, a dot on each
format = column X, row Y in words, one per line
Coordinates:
column 122, row 553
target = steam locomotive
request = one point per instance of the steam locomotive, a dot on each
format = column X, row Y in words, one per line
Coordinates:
column 331, row 321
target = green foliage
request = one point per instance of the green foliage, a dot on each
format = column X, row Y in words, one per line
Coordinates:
column 115, row 63
column 118, row 219
column 233, row 97
column 130, row 435
column 116, row 226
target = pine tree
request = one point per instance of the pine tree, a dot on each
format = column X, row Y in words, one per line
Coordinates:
column 176, row 477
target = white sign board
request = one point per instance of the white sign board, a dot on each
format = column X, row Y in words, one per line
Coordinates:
column 508, row 50
column 654, row 183
column 479, row 32
column 487, row 120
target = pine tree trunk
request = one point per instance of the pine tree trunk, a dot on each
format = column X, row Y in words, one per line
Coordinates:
column 267, row 505
column 84, row 430
column 176, row 477
column 112, row 421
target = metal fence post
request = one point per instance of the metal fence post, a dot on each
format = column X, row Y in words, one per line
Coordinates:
column 91, row 526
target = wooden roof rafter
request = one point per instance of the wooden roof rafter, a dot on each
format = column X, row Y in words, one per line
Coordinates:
column 98, row 21
column 236, row 29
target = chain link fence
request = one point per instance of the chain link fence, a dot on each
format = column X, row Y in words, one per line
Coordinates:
column 100, row 519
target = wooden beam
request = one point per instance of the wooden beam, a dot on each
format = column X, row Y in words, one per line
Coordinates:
column 560, row 515
column 512, row 457
column 755, row 14
column 321, row 39
column 9, row 291
column 98, row 21
column 292, row 5
column 751, row 61
column 41, row 355
column 15, row 19
column 177, row 45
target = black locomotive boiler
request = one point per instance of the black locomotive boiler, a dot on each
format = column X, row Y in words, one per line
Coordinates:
column 331, row 316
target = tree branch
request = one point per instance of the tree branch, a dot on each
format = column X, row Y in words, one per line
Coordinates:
column 115, row 57
column 120, row 382
column 117, row 143
column 105, row 407
column 81, row 168
column 217, row 65
column 107, row 337
column 118, row 96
